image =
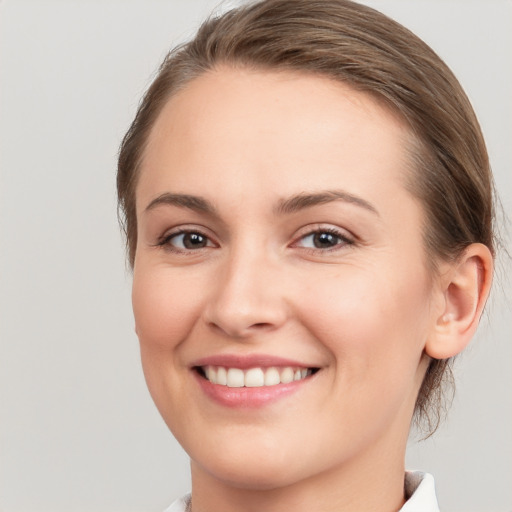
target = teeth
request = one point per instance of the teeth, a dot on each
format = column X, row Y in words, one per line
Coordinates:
column 211, row 374
column 287, row 375
column 222, row 377
column 235, row 378
column 272, row 377
column 254, row 377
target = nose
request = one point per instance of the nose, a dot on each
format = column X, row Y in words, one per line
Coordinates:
column 248, row 297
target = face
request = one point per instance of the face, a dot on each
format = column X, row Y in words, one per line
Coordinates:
column 280, row 290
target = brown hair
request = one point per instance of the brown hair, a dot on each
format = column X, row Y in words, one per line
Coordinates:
column 359, row 46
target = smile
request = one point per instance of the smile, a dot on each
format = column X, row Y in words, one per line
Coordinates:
column 253, row 377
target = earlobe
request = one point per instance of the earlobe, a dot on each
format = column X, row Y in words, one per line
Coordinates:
column 465, row 287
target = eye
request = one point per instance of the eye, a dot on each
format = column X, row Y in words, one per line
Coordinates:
column 186, row 241
column 323, row 239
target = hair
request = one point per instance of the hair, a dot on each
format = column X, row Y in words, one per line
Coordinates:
column 360, row 47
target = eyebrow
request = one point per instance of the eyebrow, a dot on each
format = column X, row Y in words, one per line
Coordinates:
column 305, row 200
column 196, row 203
column 285, row 206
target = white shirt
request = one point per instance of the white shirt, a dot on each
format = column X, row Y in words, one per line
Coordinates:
column 419, row 490
column 421, row 493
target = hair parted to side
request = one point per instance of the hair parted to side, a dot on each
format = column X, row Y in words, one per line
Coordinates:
column 356, row 45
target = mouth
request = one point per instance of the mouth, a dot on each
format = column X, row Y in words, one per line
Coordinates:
column 256, row 377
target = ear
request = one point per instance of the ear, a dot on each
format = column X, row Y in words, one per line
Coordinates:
column 464, row 288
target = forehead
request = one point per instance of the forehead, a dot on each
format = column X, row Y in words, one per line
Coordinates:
column 273, row 130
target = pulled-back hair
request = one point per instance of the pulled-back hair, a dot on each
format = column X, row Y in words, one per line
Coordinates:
column 365, row 49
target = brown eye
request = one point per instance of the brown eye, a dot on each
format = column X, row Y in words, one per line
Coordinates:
column 323, row 240
column 194, row 240
column 188, row 241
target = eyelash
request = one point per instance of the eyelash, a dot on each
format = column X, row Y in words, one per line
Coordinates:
column 343, row 240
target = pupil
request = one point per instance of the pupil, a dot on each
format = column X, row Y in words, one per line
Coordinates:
column 325, row 240
column 194, row 240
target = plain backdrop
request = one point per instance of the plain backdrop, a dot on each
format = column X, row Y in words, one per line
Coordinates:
column 78, row 429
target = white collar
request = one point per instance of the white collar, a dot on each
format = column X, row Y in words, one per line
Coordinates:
column 421, row 493
column 419, row 489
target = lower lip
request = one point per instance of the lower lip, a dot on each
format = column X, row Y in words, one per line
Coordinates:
column 248, row 397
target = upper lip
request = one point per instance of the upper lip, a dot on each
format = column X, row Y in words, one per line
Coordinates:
column 248, row 361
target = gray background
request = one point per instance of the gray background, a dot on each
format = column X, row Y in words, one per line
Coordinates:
column 78, row 430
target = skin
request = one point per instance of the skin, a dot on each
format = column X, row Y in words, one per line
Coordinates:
column 365, row 310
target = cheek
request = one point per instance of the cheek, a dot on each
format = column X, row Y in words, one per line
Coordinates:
column 164, row 307
column 371, row 320
column 375, row 330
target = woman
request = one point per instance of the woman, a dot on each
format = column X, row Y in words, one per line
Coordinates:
column 308, row 209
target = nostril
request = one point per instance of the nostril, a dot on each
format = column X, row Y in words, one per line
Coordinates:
column 240, row 316
column 241, row 330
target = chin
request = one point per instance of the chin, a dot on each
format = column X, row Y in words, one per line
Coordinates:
column 247, row 471
column 254, row 479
